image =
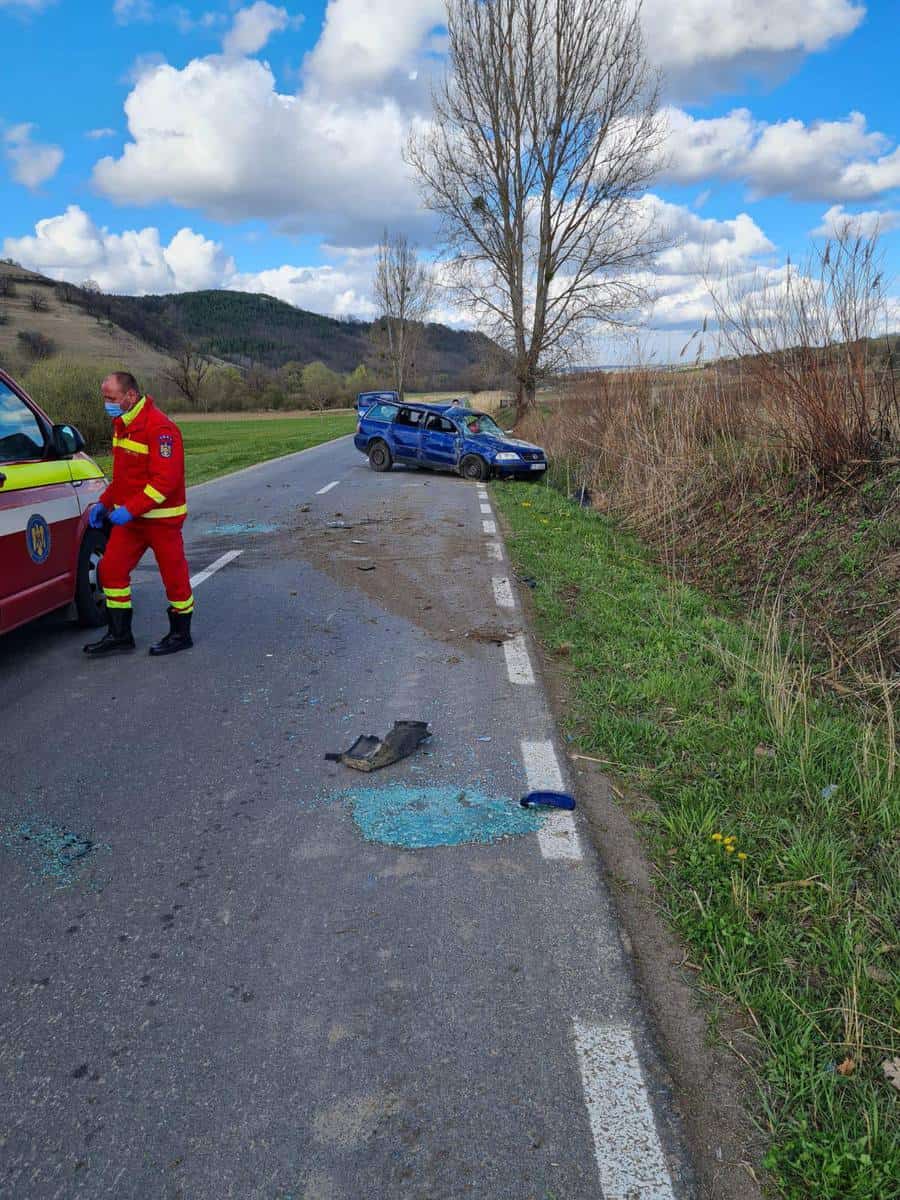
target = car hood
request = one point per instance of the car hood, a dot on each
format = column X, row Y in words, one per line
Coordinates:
column 504, row 443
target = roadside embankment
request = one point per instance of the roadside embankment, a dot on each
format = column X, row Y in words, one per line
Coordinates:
column 772, row 814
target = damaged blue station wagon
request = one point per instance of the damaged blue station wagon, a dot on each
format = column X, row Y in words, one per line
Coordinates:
column 445, row 438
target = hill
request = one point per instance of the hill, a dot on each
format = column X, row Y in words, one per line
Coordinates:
column 236, row 327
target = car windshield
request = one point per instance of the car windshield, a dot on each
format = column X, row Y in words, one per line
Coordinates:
column 482, row 423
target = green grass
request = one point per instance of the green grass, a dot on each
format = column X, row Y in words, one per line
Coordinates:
column 715, row 722
column 214, row 448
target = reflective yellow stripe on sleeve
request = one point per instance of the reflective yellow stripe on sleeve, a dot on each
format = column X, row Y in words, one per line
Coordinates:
column 179, row 511
column 128, row 444
column 182, row 605
column 119, row 603
column 155, row 496
column 117, row 593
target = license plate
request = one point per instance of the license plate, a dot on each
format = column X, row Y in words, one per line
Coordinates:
column 538, row 466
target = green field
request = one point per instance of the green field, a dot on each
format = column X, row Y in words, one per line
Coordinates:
column 774, row 821
column 214, row 448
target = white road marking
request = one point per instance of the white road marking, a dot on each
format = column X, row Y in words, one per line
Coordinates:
column 202, row 576
column 486, row 510
column 489, row 527
column 503, row 593
column 327, row 487
column 495, row 551
column 630, row 1159
column 482, row 495
column 518, row 664
column 557, row 837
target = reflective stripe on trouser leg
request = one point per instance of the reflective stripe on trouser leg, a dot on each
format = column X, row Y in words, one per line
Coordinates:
column 168, row 546
column 122, row 554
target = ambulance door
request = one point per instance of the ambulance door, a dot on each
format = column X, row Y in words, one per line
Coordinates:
column 39, row 516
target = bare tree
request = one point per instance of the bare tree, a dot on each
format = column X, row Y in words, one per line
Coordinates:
column 545, row 132
column 404, row 294
column 37, row 302
column 188, row 373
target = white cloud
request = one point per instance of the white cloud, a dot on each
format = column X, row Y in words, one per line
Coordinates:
column 32, row 163
column 704, row 44
column 72, row 247
column 363, row 42
column 339, row 291
column 126, row 11
column 862, row 224
column 27, row 5
column 218, row 137
column 97, row 134
column 825, row 160
column 253, row 27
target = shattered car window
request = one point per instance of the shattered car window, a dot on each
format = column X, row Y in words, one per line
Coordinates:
column 482, row 423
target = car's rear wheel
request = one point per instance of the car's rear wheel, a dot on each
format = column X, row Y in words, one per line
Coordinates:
column 473, row 466
column 380, row 457
column 89, row 602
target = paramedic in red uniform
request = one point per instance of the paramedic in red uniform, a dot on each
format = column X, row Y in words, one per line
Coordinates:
column 146, row 506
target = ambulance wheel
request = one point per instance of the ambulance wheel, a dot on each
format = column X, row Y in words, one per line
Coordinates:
column 380, row 457
column 473, row 466
column 89, row 601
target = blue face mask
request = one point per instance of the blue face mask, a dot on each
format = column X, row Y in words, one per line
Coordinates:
column 113, row 410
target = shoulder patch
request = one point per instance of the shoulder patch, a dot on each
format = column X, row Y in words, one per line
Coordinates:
column 165, row 445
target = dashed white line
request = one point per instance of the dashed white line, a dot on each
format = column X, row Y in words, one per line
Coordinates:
column 503, row 592
column 557, row 837
column 495, row 551
column 202, row 576
column 482, row 495
column 327, row 487
column 486, row 510
column 630, row 1159
column 518, row 664
column 489, row 527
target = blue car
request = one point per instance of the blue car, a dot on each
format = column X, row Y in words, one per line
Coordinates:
column 443, row 438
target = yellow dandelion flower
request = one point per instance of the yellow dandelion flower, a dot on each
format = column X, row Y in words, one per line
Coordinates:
column 730, row 840
column 717, row 837
column 729, row 849
column 526, row 504
column 742, row 857
column 545, row 520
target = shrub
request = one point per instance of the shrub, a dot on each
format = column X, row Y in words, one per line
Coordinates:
column 70, row 394
column 36, row 345
column 37, row 302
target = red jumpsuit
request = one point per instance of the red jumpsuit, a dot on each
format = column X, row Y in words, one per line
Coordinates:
column 148, row 480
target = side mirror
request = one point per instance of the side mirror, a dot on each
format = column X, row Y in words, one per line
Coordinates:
column 66, row 441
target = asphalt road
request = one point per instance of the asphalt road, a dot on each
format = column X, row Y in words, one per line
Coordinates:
column 233, row 969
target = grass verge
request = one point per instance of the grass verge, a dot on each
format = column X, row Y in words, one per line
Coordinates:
column 216, row 448
column 774, row 825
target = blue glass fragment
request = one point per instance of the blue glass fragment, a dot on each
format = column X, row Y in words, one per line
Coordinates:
column 415, row 817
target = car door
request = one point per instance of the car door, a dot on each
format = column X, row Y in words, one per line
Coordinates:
column 440, row 442
column 39, row 516
column 406, row 434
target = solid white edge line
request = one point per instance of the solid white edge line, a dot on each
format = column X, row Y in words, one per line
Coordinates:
column 558, row 836
column 327, row 488
column 202, row 576
column 495, row 551
column 630, row 1158
column 489, row 527
column 518, row 664
column 503, row 592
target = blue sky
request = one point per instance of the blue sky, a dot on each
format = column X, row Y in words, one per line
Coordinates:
column 161, row 147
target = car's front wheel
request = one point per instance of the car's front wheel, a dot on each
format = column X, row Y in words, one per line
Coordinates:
column 380, row 457
column 473, row 466
column 89, row 602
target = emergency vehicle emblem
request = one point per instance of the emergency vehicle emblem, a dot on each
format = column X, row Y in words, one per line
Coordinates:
column 37, row 538
column 165, row 445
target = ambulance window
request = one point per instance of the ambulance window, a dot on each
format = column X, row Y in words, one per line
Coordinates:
column 20, row 434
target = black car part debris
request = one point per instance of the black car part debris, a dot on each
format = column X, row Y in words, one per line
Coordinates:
column 547, row 800
column 369, row 753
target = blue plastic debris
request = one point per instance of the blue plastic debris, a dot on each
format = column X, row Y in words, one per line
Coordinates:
column 547, row 800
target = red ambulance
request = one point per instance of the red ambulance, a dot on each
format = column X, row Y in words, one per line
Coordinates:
column 48, row 553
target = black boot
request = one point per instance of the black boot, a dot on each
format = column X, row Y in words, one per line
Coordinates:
column 117, row 638
column 178, row 637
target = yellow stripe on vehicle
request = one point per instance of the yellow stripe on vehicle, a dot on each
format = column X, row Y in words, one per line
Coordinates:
column 20, row 476
column 151, row 491
column 84, row 468
column 182, row 605
column 128, row 444
column 117, row 593
column 178, row 511
column 128, row 417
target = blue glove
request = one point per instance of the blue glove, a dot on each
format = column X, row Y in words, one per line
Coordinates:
column 120, row 516
column 97, row 515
